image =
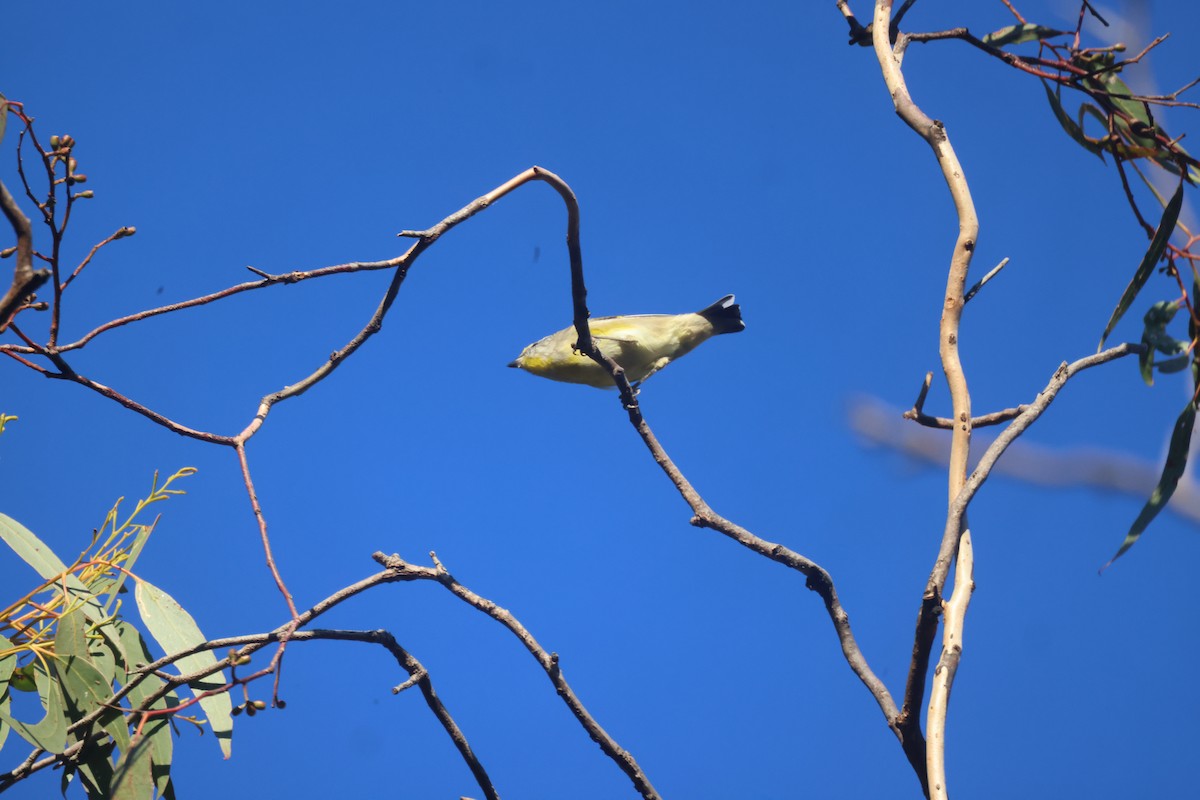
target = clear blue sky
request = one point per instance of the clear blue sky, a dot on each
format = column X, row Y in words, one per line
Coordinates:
column 713, row 150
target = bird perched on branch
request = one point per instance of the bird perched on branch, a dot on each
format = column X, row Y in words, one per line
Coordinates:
column 641, row 343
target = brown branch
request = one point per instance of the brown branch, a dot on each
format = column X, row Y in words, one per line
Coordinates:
column 818, row 579
column 419, row 677
column 1026, row 64
column 1015, row 13
column 68, row 374
column 401, row 570
column 248, row 482
column 26, row 280
column 120, row 234
column 269, row 280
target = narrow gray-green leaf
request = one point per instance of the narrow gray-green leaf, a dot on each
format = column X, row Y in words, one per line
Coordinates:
column 1158, row 244
column 3, row 115
column 158, row 733
column 175, row 631
column 37, row 555
column 1177, row 454
column 7, row 664
column 6, row 709
column 1019, row 34
column 1069, row 125
column 139, row 542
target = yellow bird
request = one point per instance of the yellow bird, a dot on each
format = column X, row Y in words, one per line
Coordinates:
column 641, row 343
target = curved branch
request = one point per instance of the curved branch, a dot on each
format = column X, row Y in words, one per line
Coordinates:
column 934, row 133
column 819, row 580
column 401, row 570
column 26, row 280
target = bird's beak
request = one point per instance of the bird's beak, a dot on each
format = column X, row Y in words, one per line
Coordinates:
column 514, row 365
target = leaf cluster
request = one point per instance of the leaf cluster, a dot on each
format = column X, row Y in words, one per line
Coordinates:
column 104, row 716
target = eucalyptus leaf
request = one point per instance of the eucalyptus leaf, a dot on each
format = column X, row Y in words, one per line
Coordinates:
column 133, row 778
column 157, row 730
column 50, row 733
column 84, row 687
column 37, row 555
column 1074, row 130
column 1158, row 244
column 175, row 631
column 1019, row 34
column 1177, row 453
column 1170, row 365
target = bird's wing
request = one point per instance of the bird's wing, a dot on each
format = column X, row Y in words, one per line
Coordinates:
column 614, row 330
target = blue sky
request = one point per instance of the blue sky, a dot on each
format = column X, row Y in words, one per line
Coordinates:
column 712, row 151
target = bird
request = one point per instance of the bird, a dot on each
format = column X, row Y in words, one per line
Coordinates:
column 641, row 343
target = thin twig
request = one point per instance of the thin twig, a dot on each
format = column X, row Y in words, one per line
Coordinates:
column 1015, row 13
column 974, row 290
column 983, row 421
column 248, row 482
column 122, row 233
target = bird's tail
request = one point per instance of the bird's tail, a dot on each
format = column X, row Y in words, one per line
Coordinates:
column 725, row 315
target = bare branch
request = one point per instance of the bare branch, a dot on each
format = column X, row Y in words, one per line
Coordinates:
column 934, row 133
column 120, row 234
column 943, row 675
column 26, row 280
column 248, row 482
column 818, row 579
column 401, row 570
column 983, row 281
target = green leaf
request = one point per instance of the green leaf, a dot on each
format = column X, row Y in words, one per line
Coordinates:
column 175, row 631
column 1177, row 364
column 1019, row 34
column 95, row 769
column 3, row 125
column 8, row 663
column 1158, row 244
column 85, row 687
column 157, row 731
column 133, row 779
column 37, row 555
column 1117, row 93
column 5, row 709
column 50, row 733
column 1156, row 339
column 1075, row 131
column 1177, row 453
